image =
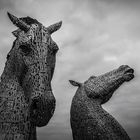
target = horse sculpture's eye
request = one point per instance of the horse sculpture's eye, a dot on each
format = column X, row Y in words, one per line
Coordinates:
column 25, row 49
column 54, row 48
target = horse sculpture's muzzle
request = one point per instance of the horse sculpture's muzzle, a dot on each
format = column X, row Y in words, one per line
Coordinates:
column 128, row 73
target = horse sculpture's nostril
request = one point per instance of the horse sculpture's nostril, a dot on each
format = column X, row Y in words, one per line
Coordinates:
column 124, row 67
column 130, row 70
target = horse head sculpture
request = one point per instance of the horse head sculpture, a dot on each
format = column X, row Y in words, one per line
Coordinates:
column 89, row 121
column 26, row 80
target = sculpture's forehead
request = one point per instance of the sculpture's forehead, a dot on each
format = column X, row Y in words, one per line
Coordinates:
column 30, row 20
column 37, row 32
column 34, row 23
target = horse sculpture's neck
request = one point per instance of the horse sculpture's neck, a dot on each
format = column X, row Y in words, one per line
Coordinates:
column 14, row 107
column 8, row 73
column 93, row 122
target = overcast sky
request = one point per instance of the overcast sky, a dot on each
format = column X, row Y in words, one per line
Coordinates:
column 96, row 36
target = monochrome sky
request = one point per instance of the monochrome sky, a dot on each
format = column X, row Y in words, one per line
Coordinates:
column 96, row 36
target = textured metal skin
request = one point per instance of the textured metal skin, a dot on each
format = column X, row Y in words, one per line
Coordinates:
column 26, row 97
column 89, row 121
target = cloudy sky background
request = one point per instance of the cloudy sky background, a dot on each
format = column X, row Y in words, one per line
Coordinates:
column 96, row 36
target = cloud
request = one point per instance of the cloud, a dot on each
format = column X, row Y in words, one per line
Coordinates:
column 5, row 3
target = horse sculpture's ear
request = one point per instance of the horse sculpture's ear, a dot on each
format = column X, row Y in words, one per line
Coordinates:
column 54, row 27
column 92, row 77
column 19, row 23
column 74, row 83
column 16, row 32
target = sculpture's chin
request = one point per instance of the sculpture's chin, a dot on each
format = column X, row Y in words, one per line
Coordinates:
column 128, row 76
